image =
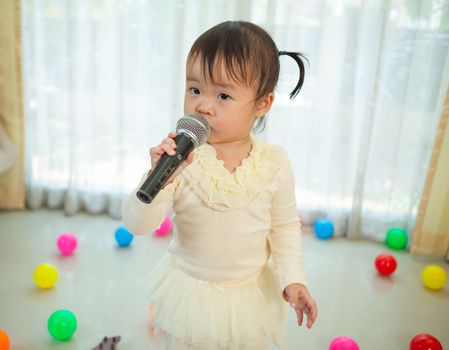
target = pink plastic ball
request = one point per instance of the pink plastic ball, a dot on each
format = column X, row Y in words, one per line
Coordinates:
column 67, row 243
column 165, row 227
column 343, row 343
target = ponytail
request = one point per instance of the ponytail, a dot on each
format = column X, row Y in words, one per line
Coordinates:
column 298, row 58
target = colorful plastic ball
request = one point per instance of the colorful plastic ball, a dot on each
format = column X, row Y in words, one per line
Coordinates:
column 323, row 228
column 4, row 340
column 425, row 342
column 396, row 238
column 434, row 277
column 385, row 264
column 165, row 227
column 67, row 243
column 343, row 343
column 45, row 275
column 62, row 324
column 123, row 236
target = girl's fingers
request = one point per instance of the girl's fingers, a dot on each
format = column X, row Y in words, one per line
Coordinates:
column 309, row 318
column 156, row 151
column 300, row 316
column 168, row 145
column 310, row 322
column 169, row 141
column 189, row 158
column 314, row 312
column 311, row 312
column 168, row 149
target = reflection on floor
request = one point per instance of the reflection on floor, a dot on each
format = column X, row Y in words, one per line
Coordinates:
column 105, row 288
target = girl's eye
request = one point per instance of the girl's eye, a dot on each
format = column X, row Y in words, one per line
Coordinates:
column 195, row 91
column 223, row 96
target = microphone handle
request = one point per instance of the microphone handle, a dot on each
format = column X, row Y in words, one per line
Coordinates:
column 165, row 168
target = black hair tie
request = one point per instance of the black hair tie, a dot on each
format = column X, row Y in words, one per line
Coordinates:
column 297, row 57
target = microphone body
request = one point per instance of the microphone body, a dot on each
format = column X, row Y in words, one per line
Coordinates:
column 192, row 130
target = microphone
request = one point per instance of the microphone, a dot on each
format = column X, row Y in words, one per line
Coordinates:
column 192, row 130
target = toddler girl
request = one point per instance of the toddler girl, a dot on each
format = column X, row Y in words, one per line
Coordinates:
column 234, row 206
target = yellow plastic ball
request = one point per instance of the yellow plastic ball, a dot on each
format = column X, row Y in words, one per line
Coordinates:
column 45, row 275
column 434, row 277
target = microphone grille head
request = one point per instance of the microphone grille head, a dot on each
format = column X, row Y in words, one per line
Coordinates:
column 196, row 126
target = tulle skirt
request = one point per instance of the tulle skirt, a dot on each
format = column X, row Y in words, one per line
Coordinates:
column 215, row 315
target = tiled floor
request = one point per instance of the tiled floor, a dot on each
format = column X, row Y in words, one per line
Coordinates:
column 105, row 287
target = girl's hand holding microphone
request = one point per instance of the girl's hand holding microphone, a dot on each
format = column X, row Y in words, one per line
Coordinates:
column 168, row 145
column 173, row 154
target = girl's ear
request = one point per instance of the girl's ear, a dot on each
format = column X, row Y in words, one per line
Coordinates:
column 264, row 104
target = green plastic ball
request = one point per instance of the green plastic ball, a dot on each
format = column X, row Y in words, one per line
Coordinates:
column 396, row 238
column 62, row 324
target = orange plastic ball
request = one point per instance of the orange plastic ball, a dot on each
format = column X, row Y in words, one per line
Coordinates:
column 4, row 340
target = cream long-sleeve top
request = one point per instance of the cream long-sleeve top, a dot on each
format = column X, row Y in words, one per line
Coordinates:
column 226, row 226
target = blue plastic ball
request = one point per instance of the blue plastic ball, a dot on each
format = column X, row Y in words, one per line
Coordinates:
column 324, row 228
column 123, row 236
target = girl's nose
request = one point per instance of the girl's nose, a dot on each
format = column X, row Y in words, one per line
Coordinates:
column 205, row 107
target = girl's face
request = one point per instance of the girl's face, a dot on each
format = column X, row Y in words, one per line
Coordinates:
column 229, row 106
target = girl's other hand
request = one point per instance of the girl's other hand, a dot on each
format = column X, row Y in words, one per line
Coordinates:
column 168, row 145
column 299, row 298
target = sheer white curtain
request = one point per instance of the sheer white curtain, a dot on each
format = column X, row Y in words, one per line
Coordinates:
column 363, row 131
column 104, row 82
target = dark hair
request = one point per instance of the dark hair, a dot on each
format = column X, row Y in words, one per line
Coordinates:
column 250, row 55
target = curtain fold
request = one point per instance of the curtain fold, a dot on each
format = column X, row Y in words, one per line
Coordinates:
column 105, row 81
column 12, row 189
column 431, row 234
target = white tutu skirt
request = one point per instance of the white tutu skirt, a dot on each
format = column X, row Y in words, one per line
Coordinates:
column 215, row 315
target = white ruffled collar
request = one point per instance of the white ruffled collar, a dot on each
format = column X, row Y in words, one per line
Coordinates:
column 223, row 190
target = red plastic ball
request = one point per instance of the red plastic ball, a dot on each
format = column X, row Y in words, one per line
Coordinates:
column 386, row 264
column 425, row 342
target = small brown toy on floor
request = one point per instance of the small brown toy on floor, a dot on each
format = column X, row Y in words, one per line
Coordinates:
column 108, row 343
